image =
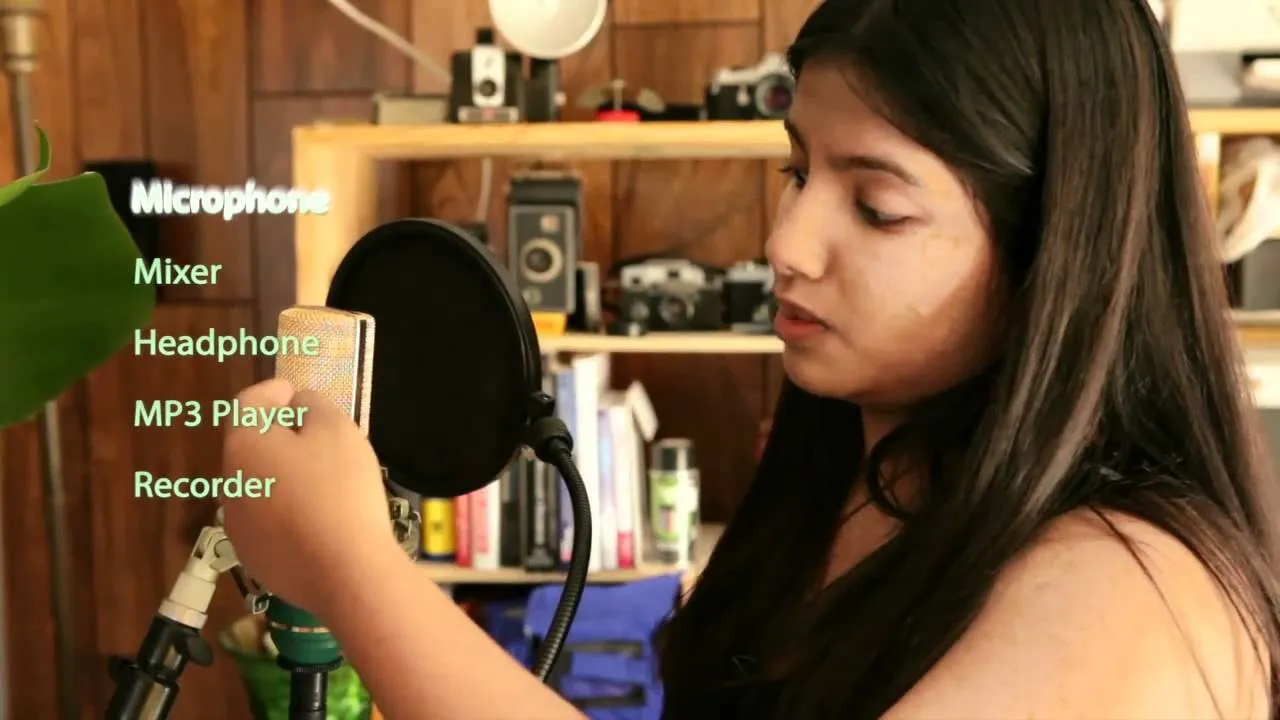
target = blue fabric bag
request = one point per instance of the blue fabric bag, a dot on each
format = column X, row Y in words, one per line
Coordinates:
column 608, row 667
column 504, row 621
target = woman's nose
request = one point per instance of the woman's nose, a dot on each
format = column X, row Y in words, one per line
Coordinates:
column 797, row 243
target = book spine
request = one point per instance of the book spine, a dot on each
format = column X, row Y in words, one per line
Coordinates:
column 485, row 516
column 549, row 481
column 607, row 515
column 588, row 384
column 565, row 410
column 462, row 529
column 510, row 530
column 624, row 471
column 542, row 535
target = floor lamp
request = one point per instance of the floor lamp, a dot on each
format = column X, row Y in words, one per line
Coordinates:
column 18, row 20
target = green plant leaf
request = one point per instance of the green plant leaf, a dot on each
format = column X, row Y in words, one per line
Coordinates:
column 67, row 297
column 19, row 186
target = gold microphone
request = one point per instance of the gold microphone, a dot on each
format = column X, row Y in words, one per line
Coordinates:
column 341, row 370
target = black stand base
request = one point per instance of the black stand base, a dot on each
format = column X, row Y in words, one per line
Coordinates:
column 308, row 689
column 147, row 686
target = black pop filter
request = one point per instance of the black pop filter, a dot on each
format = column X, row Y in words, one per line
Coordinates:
column 455, row 357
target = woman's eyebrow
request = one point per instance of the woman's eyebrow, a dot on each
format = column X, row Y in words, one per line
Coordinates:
column 856, row 161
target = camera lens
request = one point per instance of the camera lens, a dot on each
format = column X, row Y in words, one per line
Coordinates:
column 541, row 260
column 638, row 311
column 774, row 95
column 487, row 88
column 675, row 311
column 538, row 260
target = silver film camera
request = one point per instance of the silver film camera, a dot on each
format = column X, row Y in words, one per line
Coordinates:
column 671, row 294
column 763, row 91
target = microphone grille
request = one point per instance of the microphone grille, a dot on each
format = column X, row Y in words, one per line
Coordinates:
column 342, row 369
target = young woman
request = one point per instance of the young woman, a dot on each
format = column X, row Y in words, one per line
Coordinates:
column 1014, row 471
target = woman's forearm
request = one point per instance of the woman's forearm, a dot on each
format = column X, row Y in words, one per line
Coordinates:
column 423, row 658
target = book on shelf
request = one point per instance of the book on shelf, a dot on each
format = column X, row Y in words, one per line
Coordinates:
column 524, row 518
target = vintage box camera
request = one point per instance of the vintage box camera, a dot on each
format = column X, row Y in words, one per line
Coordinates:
column 544, row 226
column 671, row 294
column 748, row 297
column 488, row 83
column 762, row 91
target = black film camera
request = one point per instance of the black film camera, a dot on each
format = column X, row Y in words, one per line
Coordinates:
column 763, row 91
column 671, row 294
column 749, row 305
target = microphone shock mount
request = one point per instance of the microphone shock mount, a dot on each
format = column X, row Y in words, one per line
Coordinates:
column 147, row 686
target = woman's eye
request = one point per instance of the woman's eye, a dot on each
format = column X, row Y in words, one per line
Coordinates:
column 878, row 219
column 798, row 175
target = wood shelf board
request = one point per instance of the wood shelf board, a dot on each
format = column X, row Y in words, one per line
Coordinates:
column 1256, row 331
column 450, row 574
column 635, row 141
column 674, row 343
column 1260, row 339
column 1236, row 121
column 1258, row 327
column 551, row 141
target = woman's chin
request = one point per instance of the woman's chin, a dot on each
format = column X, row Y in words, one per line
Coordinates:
column 819, row 376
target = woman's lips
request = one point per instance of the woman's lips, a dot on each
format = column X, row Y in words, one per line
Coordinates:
column 794, row 323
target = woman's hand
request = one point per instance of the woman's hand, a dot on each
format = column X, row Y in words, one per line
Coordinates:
column 325, row 519
column 323, row 541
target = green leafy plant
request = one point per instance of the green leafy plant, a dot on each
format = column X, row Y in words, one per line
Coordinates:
column 67, row 297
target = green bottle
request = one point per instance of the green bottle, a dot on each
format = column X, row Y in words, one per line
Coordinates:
column 673, row 498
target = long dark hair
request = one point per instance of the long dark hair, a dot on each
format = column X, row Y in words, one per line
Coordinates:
column 1119, row 387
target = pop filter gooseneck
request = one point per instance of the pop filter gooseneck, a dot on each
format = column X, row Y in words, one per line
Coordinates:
column 457, row 377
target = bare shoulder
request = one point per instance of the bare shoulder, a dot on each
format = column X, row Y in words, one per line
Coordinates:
column 1102, row 617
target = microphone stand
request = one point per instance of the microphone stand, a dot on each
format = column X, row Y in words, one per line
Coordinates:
column 18, row 30
column 307, row 649
column 147, row 686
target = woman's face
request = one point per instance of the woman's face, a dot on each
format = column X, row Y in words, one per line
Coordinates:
column 885, row 272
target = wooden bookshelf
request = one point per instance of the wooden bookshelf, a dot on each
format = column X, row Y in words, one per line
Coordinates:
column 450, row 574
column 1259, row 334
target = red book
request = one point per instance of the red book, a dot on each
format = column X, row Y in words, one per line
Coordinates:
column 462, row 529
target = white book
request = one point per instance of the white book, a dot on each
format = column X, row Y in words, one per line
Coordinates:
column 486, row 526
column 607, row 516
column 626, row 496
column 588, row 371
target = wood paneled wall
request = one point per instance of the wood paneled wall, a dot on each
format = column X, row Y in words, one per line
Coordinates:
column 210, row 89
